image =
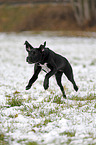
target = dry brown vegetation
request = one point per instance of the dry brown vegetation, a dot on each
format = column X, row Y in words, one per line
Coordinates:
column 38, row 17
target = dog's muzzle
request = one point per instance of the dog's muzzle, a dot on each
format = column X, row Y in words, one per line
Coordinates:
column 27, row 60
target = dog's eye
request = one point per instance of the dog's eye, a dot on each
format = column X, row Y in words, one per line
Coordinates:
column 33, row 52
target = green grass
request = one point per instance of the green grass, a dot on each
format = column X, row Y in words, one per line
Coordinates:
column 48, row 99
column 47, row 113
column 95, row 106
column 13, row 116
column 2, row 140
column 93, row 62
column 54, row 99
column 58, row 100
column 86, row 98
column 68, row 133
column 14, row 99
column 25, row 142
column 31, row 143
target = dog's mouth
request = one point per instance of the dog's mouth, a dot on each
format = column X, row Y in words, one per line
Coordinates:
column 27, row 60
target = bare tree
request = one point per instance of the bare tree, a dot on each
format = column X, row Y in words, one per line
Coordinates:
column 84, row 11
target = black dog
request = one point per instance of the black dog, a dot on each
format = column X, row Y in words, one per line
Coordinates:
column 55, row 62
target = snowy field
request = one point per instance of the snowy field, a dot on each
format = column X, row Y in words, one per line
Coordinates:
column 39, row 117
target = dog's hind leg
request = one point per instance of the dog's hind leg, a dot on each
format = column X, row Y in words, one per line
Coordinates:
column 69, row 74
column 58, row 76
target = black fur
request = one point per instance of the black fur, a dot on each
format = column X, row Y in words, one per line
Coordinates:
column 55, row 62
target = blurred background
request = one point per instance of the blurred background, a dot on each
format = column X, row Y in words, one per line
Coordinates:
column 47, row 15
column 36, row 116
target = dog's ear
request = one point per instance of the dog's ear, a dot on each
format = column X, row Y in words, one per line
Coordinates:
column 28, row 46
column 41, row 48
column 44, row 43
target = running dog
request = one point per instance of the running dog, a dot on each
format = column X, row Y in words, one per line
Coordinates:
column 55, row 62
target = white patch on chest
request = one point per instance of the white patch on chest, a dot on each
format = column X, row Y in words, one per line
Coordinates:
column 44, row 67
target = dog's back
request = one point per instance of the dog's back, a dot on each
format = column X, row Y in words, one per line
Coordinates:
column 60, row 61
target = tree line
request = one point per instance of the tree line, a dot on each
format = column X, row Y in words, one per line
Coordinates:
column 84, row 11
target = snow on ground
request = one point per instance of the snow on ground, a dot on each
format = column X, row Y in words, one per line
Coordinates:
column 45, row 117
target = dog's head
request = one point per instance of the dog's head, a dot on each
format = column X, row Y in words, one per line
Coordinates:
column 34, row 54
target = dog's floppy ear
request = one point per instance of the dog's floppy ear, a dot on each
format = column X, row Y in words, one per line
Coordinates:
column 28, row 46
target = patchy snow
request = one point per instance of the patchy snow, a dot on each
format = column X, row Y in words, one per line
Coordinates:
column 43, row 116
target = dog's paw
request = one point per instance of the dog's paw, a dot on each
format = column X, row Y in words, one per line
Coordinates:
column 46, row 84
column 64, row 96
column 28, row 87
column 76, row 88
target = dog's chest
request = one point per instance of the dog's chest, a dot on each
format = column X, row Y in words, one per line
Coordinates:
column 45, row 67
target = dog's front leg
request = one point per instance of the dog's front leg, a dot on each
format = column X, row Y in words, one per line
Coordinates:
column 46, row 80
column 37, row 70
